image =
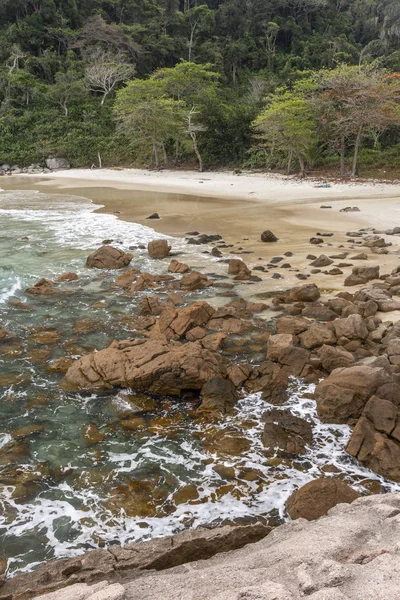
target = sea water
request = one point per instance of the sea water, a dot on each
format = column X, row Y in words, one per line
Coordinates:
column 60, row 507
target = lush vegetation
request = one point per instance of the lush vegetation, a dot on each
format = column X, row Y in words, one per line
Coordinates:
column 279, row 84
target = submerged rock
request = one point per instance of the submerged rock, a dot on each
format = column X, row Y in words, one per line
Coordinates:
column 43, row 287
column 285, row 433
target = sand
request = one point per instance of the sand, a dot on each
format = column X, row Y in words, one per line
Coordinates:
column 240, row 207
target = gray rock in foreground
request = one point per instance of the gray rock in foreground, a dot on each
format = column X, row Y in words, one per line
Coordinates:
column 351, row 554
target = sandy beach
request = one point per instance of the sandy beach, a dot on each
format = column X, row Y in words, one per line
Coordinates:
column 240, row 207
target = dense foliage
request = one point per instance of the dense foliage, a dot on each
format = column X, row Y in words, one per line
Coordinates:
column 80, row 77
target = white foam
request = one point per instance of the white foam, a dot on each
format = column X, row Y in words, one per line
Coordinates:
column 15, row 287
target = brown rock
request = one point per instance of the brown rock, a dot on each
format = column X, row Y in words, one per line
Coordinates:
column 343, row 395
column 280, row 349
column 317, row 335
column 291, row 325
column 92, row 435
column 239, row 373
column 267, row 236
column 178, row 321
column 158, row 249
column 194, row 281
column 285, row 433
column 352, row 328
column 126, row 278
column 149, row 305
column 154, row 365
column 304, row 293
column 218, row 396
column 67, row 277
column 108, row 257
column 322, row 261
column 362, row 275
column 334, row 358
column 375, row 439
column 316, row 498
column 239, row 269
column 43, row 287
column 177, row 267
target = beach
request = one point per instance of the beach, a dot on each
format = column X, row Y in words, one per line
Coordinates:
column 239, row 208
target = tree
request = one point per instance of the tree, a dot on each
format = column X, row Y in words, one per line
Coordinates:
column 199, row 17
column 354, row 104
column 105, row 71
column 144, row 112
column 287, row 124
column 68, row 87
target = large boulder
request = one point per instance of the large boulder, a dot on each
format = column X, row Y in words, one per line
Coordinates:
column 55, row 164
column 375, row 441
column 218, row 396
column 316, row 498
column 155, row 365
column 304, row 293
column 343, row 395
column 108, row 257
column 158, row 249
column 285, row 434
column 176, row 322
column 177, row 267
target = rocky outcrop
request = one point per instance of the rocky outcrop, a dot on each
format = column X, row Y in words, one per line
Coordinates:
column 108, row 257
column 351, row 554
column 155, row 366
column 158, row 249
column 375, row 441
column 315, row 499
column 136, row 558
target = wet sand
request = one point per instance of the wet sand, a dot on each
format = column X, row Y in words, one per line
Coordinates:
column 240, row 207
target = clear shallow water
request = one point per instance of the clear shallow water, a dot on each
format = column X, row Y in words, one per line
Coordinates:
column 172, row 471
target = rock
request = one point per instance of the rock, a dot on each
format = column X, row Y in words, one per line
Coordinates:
column 216, row 252
column 375, row 441
column 218, row 396
column 194, row 281
column 177, row 322
column 304, row 293
column 126, row 278
column 316, row 498
column 334, row 358
column 6, row 336
column 153, row 216
column 154, row 365
column 361, row 256
column 108, row 257
column 54, row 164
column 43, row 287
column 280, row 349
column 374, row 241
column 322, row 261
column 352, row 328
column 317, row 335
column 177, row 267
column 67, row 277
column 239, row 269
column 285, row 433
column 343, row 395
column 362, row 275
column 291, row 325
column 319, row 312
column 350, row 209
column 158, row 249
column 316, row 240
column 267, row 236
column 92, row 435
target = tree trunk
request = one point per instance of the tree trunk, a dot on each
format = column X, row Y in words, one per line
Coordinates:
column 164, row 154
column 177, row 146
column 342, row 157
column 356, row 149
column 289, row 162
column 196, row 150
column 155, row 154
column 302, row 165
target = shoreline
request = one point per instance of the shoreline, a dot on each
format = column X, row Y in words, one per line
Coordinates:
column 240, row 208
